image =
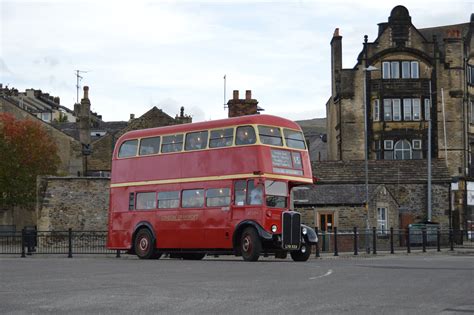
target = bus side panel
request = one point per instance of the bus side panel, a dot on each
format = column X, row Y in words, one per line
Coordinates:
column 118, row 233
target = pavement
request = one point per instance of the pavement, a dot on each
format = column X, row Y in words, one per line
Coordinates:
column 416, row 283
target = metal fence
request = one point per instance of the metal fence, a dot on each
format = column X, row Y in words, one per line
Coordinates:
column 371, row 241
column 30, row 241
column 355, row 241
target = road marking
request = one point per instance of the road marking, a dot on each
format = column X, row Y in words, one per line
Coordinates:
column 322, row 276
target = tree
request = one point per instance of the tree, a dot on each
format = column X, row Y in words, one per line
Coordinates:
column 26, row 151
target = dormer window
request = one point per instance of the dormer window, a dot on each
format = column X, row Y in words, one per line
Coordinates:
column 408, row 69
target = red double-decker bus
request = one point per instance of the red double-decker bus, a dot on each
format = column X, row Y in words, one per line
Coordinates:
column 217, row 187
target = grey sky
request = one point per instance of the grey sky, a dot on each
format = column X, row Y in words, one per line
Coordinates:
column 175, row 53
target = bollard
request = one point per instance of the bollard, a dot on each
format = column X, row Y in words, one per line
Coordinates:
column 438, row 239
column 451, row 241
column 23, row 243
column 423, row 235
column 356, row 247
column 374, row 240
column 69, row 255
column 317, row 244
column 117, row 255
column 391, row 241
column 408, row 241
column 336, row 253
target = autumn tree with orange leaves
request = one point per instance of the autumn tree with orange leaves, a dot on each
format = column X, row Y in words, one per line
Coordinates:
column 26, row 151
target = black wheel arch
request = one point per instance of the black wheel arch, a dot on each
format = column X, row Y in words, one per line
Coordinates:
column 262, row 233
column 310, row 236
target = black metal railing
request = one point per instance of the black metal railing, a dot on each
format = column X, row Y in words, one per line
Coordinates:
column 355, row 241
column 372, row 240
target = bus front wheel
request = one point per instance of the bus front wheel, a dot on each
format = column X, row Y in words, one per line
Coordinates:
column 144, row 244
column 250, row 245
column 302, row 254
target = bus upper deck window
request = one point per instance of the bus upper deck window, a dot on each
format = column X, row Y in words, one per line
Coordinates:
column 294, row 139
column 270, row 135
column 173, row 143
column 221, row 138
column 149, row 146
column 245, row 135
column 128, row 148
column 196, row 141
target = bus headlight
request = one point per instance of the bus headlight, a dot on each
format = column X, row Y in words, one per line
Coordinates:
column 304, row 231
column 274, row 228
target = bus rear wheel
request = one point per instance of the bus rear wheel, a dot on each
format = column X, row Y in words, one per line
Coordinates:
column 302, row 254
column 144, row 245
column 250, row 245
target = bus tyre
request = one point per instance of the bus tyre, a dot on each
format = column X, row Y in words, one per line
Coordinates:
column 250, row 245
column 302, row 254
column 144, row 244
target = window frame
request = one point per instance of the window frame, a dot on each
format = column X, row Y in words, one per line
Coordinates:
column 396, row 107
column 407, row 109
column 416, row 104
column 148, row 138
column 227, row 197
column 376, row 104
column 427, row 109
column 387, row 109
column 185, row 203
column 236, row 138
column 382, row 223
column 143, row 193
column 264, row 136
column 190, row 136
column 223, row 136
column 163, row 143
column 121, row 146
column 402, row 150
column 178, row 199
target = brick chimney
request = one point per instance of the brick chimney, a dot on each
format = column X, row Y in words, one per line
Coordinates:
column 336, row 62
column 242, row 107
column 84, row 118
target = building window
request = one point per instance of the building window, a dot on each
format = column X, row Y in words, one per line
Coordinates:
column 428, row 109
column 408, row 69
column 376, row 110
column 173, row 143
column 387, row 109
column 415, row 70
column 395, row 70
column 416, row 109
column 397, row 111
column 388, row 144
column 471, row 105
column 386, row 70
column 388, row 150
column 382, row 220
column 470, row 74
column 406, row 109
column 402, row 150
column 405, row 69
column 416, row 144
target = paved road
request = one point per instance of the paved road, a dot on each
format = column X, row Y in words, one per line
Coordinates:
column 402, row 284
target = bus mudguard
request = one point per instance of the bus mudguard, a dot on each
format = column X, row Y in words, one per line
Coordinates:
column 310, row 234
column 261, row 231
column 144, row 224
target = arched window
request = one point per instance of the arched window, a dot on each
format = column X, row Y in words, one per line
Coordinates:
column 402, row 150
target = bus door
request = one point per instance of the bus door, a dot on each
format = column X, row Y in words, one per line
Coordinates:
column 217, row 218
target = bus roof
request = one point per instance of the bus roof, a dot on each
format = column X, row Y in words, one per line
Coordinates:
column 221, row 123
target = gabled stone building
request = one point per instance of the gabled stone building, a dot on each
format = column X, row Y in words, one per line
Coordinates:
column 383, row 106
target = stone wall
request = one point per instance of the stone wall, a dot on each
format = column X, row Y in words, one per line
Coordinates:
column 79, row 203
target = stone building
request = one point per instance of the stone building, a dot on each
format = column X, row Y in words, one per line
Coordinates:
column 403, row 81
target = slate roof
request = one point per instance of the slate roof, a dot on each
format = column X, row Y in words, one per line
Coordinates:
column 344, row 194
column 380, row 171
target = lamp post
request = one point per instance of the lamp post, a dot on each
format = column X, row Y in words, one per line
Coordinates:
column 366, row 160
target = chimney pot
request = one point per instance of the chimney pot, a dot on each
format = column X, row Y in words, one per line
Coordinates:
column 132, row 116
column 181, row 112
column 336, row 32
column 236, row 94
column 248, row 94
column 86, row 92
